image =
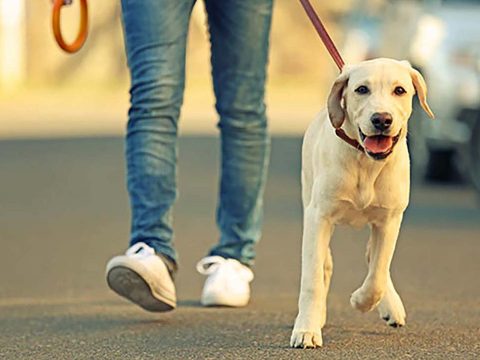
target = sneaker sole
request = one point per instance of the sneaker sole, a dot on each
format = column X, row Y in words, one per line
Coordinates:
column 130, row 285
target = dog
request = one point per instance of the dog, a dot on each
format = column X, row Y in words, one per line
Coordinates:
column 356, row 171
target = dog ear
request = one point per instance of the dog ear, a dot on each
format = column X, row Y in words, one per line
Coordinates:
column 421, row 88
column 336, row 112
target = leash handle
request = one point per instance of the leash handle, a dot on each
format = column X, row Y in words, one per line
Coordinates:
column 83, row 29
column 322, row 32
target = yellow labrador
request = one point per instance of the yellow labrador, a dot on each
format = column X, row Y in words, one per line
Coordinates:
column 362, row 177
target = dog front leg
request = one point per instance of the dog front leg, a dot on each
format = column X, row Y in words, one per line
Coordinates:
column 382, row 242
column 390, row 308
column 307, row 332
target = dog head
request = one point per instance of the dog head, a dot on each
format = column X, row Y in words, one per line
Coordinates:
column 374, row 99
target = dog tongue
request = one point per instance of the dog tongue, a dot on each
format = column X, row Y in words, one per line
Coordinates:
column 378, row 144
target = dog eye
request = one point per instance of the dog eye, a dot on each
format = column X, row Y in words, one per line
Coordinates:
column 399, row 91
column 362, row 90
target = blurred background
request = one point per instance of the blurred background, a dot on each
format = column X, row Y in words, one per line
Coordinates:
column 64, row 208
column 95, row 81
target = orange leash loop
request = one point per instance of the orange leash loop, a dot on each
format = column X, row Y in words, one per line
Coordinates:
column 82, row 32
column 317, row 23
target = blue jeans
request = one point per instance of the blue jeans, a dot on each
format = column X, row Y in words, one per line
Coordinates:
column 155, row 36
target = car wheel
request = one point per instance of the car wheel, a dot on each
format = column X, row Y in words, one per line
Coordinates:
column 440, row 166
column 475, row 155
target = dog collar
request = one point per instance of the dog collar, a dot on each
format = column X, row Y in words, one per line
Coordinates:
column 343, row 135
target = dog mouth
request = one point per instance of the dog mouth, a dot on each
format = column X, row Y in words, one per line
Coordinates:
column 379, row 146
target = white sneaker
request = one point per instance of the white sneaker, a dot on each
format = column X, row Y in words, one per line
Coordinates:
column 142, row 277
column 227, row 283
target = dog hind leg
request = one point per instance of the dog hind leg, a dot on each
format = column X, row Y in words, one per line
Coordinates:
column 327, row 275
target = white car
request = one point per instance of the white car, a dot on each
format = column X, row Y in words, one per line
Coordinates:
column 446, row 48
column 442, row 40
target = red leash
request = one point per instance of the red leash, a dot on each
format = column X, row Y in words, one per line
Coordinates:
column 332, row 49
column 322, row 32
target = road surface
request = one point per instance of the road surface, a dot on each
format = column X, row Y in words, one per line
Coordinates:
column 64, row 213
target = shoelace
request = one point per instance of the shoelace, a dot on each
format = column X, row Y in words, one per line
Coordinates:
column 140, row 249
column 210, row 264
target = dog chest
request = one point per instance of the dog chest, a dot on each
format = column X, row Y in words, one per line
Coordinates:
column 346, row 214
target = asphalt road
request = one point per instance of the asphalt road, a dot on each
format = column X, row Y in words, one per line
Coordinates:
column 64, row 212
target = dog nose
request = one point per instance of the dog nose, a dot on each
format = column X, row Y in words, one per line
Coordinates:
column 382, row 121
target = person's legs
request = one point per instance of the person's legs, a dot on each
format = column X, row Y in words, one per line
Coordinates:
column 155, row 38
column 239, row 37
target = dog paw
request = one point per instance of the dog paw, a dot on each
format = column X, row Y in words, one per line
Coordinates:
column 365, row 300
column 392, row 311
column 306, row 339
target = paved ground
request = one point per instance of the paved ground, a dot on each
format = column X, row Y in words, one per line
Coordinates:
column 64, row 212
